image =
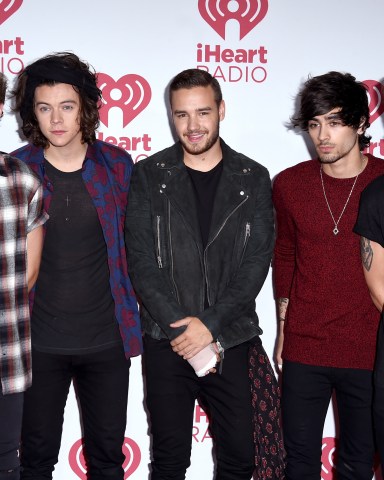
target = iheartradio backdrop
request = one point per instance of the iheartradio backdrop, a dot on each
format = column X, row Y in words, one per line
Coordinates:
column 260, row 51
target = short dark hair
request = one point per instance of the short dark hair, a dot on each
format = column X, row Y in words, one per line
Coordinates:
column 195, row 77
column 3, row 87
column 323, row 93
column 61, row 67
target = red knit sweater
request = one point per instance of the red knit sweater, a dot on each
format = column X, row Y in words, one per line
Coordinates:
column 331, row 320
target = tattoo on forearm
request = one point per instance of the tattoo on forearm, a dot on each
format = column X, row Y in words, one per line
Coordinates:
column 366, row 253
column 282, row 304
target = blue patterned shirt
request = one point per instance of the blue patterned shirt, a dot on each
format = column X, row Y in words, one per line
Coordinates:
column 106, row 173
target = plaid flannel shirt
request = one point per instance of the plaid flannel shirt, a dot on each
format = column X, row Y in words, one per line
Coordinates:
column 21, row 211
column 106, row 173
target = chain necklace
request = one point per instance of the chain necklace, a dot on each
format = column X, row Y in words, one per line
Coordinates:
column 336, row 229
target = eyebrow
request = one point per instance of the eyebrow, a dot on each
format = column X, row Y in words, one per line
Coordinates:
column 331, row 116
column 41, row 102
column 204, row 109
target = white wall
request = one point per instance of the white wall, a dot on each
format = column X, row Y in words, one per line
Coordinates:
column 155, row 40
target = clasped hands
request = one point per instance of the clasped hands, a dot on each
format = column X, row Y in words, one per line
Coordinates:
column 194, row 345
column 194, row 338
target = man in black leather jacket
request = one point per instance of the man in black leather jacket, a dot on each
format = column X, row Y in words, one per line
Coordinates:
column 199, row 234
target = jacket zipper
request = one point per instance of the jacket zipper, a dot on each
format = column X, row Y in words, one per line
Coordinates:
column 159, row 260
column 213, row 239
column 246, row 238
column 171, row 252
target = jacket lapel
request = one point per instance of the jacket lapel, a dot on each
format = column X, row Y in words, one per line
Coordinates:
column 181, row 194
column 231, row 191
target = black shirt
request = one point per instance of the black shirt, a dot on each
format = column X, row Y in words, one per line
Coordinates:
column 205, row 186
column 73, row 308
column 370, row 220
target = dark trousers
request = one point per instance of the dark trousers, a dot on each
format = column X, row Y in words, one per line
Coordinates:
column 378, row 398
column 306, row 393
column 101, row 382
column 172, row 388
column 11, row 411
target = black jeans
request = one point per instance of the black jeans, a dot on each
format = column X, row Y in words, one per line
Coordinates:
column 378, row 398
column 172, row 388
column 101, row 382
column 11, row 411
column 306, row 393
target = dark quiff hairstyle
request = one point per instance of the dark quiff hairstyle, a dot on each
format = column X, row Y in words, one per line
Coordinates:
column 324, row 93
column 61, row 67
column 3, row 87
column 194, row 77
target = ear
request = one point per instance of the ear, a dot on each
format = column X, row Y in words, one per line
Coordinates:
column 222, row 110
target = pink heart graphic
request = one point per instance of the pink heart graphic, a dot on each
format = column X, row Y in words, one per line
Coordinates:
column 376, row 99
column 328, row 458
column 8, row 8
column 131, row 94
column 130, row 449
column 248, row 14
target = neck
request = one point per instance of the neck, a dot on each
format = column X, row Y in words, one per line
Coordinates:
column 346, row 168
column 205, row 161
column 68, row 159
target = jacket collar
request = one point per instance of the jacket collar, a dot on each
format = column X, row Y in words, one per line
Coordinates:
column 230, row 194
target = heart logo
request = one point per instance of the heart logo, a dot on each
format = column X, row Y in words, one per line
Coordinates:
column 8, row 8
column 328, row 458
column 130, row 449
column 131, row 94
column 375, row 91
column 248, row 13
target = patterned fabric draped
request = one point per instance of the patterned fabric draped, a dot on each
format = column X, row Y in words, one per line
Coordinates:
column 269, row 448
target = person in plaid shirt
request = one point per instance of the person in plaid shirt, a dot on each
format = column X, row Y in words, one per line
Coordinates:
column 21, row 239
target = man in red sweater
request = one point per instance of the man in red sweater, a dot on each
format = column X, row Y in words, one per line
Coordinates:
column 328, row 323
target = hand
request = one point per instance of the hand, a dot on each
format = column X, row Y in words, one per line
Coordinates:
column 194, row 338
column 279, row 348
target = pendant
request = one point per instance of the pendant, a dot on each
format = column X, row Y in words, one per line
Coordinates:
column 335, row 230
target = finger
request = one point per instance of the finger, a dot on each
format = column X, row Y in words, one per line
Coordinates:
column 177, row 341
column 179, row 323
column 189, row 353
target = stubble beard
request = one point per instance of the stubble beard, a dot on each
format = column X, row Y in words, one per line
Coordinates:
column 200, row 149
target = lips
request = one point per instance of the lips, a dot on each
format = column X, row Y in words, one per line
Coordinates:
column 58, row 132
column 195, row 137
column 325, row 148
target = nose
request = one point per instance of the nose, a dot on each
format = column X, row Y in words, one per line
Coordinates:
column 55, row 116
column 193, row 122
column 323, row 133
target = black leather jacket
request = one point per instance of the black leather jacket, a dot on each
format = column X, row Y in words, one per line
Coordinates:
column 167, row 263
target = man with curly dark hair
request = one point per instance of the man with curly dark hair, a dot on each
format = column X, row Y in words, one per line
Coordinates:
column 85, row 322
column 328, row 323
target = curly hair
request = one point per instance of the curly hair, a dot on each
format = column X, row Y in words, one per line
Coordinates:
column 61, row 67
column 3, row 87
column 324, row 93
